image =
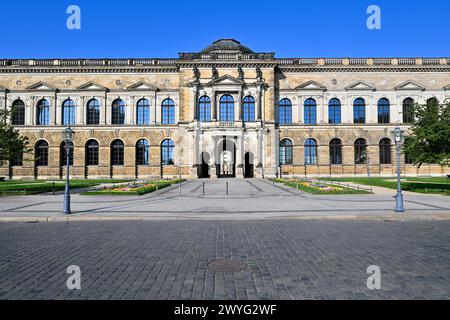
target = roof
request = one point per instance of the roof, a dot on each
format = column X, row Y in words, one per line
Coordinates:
column 226, row 46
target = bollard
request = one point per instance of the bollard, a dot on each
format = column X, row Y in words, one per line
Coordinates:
column 273, row 184
column 157, row 193
column 180, row 187
column 53, row 188
column 203, row 188
column 227, row 187
column 251, row 190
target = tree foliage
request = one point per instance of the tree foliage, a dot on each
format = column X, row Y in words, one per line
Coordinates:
column 12, row 144
column 429, row 139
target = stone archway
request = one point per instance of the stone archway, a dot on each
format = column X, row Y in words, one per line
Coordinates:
column 249, row 165
column 203, row 166
column 226, row 160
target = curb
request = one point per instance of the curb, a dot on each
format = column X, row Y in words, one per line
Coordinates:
column 389, row 217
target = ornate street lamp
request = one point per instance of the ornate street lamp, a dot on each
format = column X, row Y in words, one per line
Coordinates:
column 68, row 135
column 398, row 138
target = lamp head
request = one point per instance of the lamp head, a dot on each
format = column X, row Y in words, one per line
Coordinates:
column 398, row 134
column 68, row 132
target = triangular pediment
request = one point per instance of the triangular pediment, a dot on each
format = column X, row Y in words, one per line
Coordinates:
column 311, row 86
column 142, row 86
column 360, row 85
column 92, row 86
column 410, row 85
column 447, row 87
column 41, row 86
column 226, row 80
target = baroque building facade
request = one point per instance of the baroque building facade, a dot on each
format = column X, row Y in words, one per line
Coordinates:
column 225, row 111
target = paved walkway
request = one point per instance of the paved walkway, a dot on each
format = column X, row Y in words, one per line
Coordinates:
column 169, row 259
column 246, row 199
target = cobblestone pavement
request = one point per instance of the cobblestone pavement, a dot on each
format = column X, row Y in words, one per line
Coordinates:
column 287, row 259
column 246, row 199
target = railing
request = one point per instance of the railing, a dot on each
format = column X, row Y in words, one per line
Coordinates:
column 357, row 61
column 333, row 61
column 406, row 61
column 429, row 61
column 382, row 61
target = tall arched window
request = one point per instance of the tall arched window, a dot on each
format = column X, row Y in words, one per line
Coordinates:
column 285, row 111
column 359, row 111
column 226, row 108
column 18, row 113
column 143, row 112
column 385, row 151
column 142, row 153
column 168, row 112
column 334, row 111
column 310, row 111
column 93, row 112
column 92, row 153
column 68, row 113
column 310, row 152
column 41, row 153
column 63, row 154
column 43, row 113
column 408, row 110
column 167, row 147
column 117, row 152
column 360, row 151
column 285, row 151
column 383, row 111
column 118, row 112
column 248, row 109
column 204, row 105
column 336, row 151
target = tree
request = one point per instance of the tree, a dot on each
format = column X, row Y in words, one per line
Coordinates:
column 429, row 139
column 12, row 144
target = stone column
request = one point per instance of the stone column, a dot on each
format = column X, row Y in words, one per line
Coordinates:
column 104, row 111
column 132, row 111
column 258, row 103
column 214, row 106
column 82, row 108
column 239, row 106
column 194, row 101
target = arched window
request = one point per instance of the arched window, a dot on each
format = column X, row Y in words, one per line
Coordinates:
column 383, row 111
column 117, row 151
column 248, row 109
column 118, row 112
column 93, row 112
column 143, row 112
column 360, row 151
column 92, row 153
column 334, row 111
column 43, row 113
column 68, row 113
column 310, row 152
column 226, row 108
column 336, row 151
column 385, row 151
column 204, row 104
column 41, row 153
column 359, row 111
column 63, row 154
column 142, row 153
column 168, row 112
column 310, row 111
column 285, row 151
column 167, row 147
column 285, row 111
column 408, row 110
column 18, row 113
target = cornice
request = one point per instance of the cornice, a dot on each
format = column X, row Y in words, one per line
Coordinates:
column 89, row 70
column 355, row 69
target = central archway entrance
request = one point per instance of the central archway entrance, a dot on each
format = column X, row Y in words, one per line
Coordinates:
column 203, row 167
column 226, row 166
column 248, row 165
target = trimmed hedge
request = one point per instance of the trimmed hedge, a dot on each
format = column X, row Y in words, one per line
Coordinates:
column 151, row 187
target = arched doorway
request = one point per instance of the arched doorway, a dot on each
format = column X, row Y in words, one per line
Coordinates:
column 249, row 165
column 203, row 166
column 226, row 166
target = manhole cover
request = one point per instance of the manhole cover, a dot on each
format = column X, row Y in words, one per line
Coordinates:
column 227, row 265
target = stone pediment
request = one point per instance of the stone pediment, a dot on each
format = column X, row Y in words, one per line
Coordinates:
column 142, row 86
column 226, row 80
column 410, row 85
column 311, row 86
column 360, row 85
column 446, row 88
column 41, row 86
column 92, row 86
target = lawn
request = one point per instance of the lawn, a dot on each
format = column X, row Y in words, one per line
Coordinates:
column 435, row 185
column 134, row 189
column 318, row 188
column 28, row 187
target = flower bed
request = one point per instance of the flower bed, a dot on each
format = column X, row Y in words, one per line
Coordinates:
column 318, row 188
column 134, row 188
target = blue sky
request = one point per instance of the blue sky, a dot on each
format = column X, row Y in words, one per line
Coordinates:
column 147, row 28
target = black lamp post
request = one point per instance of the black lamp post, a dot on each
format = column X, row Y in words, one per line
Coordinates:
column 68, row 135
column 398, row 138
